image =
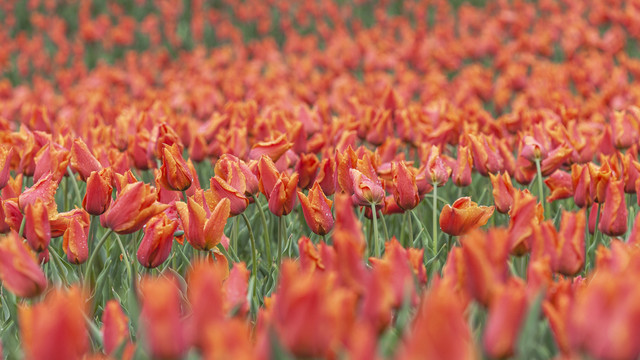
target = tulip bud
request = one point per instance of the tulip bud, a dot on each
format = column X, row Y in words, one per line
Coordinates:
column 613, row 219
column 366, row 191
column 6, row 153
column 155, row 246
column 37, row 229
column 581, row 181
column 405, row 189
column 464, row 164
column 75, row 242
column 282, row 199
column 503, row 191
column 317, row 210
column 176, row 174
column 82, row 160
column 98, row 195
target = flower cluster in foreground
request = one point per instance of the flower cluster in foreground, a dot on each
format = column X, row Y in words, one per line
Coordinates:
column 276, row 180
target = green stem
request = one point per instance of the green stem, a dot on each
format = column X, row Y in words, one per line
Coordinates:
column 234, row 234
column 376, row 238
column 184, row 194
column 22, row 224
column 59, row 265
column 434, row 209
column 410, row 228
column 254, row 254
column 384, row 228
column 265, row 232
column 76, row 189
column 280, row 240
column 540, row 187
column 87, row 275
column 125, row 256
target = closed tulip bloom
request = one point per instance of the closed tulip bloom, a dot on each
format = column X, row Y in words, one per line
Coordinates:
column 6, row 153
column 155, row 246
column 560, row 185
column 115, row 327
column 503, row 191
column 56, row 327
column 366, row 191
column 626, row 127
column 556, row 158
column 613, row 219
column 37, row 229
column 133, row 207
column 61, row 222
column 571, row 245
column 405, row 189
column 176, row 174
column 203, row 227
column 486, row 158
column 98, row 194
column 228, row 165
column 344, row 162
column 268, row 175
column 463, row 216
column 317, row 210
column 283, row 196
column 461, row 175
column 19, row 270
column 45, row 190
column 326, row 176
column 437, row 171
column 307, row 168
column 581, row 181
column 75, row 242
column 82, row 160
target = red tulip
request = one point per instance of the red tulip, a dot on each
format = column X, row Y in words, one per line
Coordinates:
column 115, row 327
column 503, row 191
column 204, row 227
column 82, row 160
column 405, row 189
column 6, row 153
column 75, row 242
column 613, row 219
column 176, row 174
column 282, row 199
column 37, row 229
column 506, row 315
column 366, row 191
column 98, row 194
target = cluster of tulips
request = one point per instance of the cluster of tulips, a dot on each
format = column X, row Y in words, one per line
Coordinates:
column 410, row 181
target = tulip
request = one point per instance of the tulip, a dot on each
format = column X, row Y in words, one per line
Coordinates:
column 503, row 191
column 51, row 158
column 98, row 194
column 307, row 168
column 282, row 199
column 405, row 189
column 37, row 229
column 317, row 210
column 571, row 247
column 524, row 215
column 228, row 165
column 205, row 288
column 556, row 158
column 326, row 176
column 115, row 327
column 366, row 191
column 233, row 188
column 486, row 158
column 61, row 222
column 613, row 219
column 462, row 170
column 581, row 181
column 506, row 315
column 560, row 184
column 204, row 228
column 176, row 174
column 625, row 125
column 268, row 175
column 160, row 319
column 19, row 270
column 133, row 207
column 344, row 162
column 75, row 242
column 437, row 171
column 45, row 190
column 155, row 246
column 464, row 216
column 55, row 327
column 82, row 160
column 274, row 148
column 6, row 153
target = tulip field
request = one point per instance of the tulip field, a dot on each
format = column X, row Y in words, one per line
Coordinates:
column 324, row 179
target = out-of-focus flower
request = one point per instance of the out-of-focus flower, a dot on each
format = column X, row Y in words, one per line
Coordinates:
column 274, row 148
column 613, row 219
column 19, row 270
column 115, row 327
column 463, row 216
column 524, row 215
column 506, row 315
column 560, row 185
column 461, row 175
column 6, row 153
column 503, row 191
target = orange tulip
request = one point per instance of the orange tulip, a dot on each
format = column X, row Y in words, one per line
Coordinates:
column 115, row 327
column 317, row 210
column 176, row 174
column 613, row 219
column 581, row 181
column 282, row 199
column 366, row 191
column 274, row 148
column 461, row 175
column 463, row 216
column 45, row 190
column 19, row 270
column 155, row 246
column 204, row 227
column 82, row 160
column 523, row 216
column 133, row 207
column 503, row 191
column 228, row 165
column 97, row 197
column 61, row 222
column 75, row 242
column 55, row 326
column 6, row 153
column 486, row 158
column 506, row 315
column 37, row 229
column 405, row 189
column 437, row 171
column 560, row 184
column 571, row 247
